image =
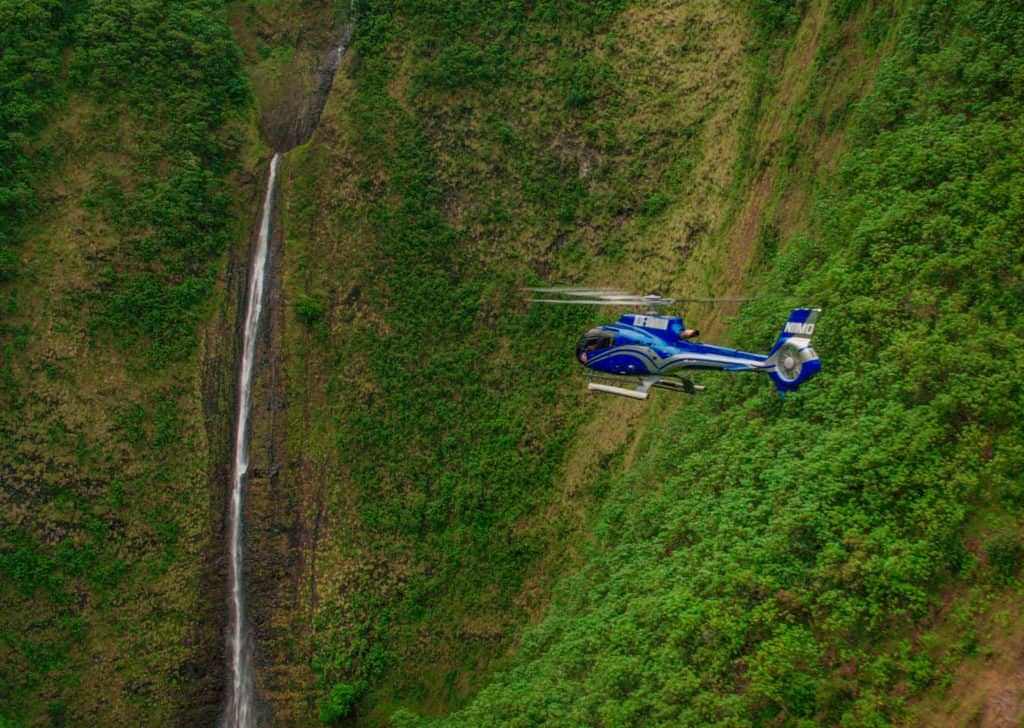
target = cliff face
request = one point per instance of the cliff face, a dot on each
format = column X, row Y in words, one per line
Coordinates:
column 438, row 519
column 449, row 472
column 430, row 439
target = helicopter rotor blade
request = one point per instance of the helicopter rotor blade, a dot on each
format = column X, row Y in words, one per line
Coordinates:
column 614, row 297
column 591, row 301
column 583, row 292
column 599, row 297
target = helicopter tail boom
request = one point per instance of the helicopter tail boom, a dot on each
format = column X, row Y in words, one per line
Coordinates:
column 792, row 357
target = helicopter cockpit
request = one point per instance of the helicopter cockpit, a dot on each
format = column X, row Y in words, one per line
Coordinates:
column 594, row 340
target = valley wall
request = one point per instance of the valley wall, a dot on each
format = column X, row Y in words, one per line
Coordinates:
column 442, row 526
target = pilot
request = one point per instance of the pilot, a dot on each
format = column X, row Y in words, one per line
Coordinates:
column 689, row 334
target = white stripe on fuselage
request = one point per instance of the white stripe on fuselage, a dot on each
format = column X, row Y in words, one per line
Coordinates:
column 659, row 364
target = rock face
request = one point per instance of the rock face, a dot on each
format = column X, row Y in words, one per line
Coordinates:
column 291, row 120
column 219, row 393
column 274, row 524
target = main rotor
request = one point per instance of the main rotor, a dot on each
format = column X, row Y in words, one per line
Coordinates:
column 614, row 297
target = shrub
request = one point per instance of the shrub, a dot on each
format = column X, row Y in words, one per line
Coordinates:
column 308, row 310
column 339, row 702
column 1005, row 556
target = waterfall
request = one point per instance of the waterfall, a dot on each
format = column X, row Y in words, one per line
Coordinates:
column 240, row 704
column 239, row 711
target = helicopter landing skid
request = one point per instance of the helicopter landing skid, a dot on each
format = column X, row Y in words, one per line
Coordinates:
column 642, row 385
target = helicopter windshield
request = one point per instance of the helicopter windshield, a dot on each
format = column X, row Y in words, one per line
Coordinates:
column 594, row 340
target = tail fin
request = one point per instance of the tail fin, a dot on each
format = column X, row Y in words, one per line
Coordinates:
column 794, row 360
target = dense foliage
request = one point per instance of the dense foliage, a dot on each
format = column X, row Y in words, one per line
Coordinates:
column 445, row 176
column 788, row 563
column 31, row 35
column 177, row 74
column 116, row 141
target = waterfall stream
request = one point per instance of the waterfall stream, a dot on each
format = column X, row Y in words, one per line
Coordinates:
column 240, row 703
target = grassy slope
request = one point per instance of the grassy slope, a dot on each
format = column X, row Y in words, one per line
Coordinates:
column 111, row 439
column 432, row 413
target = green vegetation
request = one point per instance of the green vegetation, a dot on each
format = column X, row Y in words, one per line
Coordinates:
column 444, row 528
column 177, row 75
column 119, row 128
column 773, row 563
column 31, row 34
column 439, row 408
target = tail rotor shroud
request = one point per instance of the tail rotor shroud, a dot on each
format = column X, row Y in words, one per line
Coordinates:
column 794, row 360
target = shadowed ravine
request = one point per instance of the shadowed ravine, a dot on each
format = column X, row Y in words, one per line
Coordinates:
column 240, row 704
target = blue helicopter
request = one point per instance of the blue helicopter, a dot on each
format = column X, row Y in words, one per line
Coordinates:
column 648, row 350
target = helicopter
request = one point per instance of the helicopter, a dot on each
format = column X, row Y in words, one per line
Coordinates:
column 647, row 350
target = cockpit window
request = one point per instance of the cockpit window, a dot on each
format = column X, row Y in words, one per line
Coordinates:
column 594, row 340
